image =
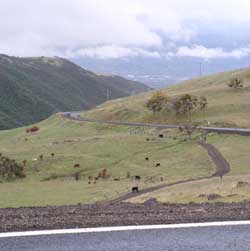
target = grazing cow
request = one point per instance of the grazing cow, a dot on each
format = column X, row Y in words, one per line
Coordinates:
column 161, row 179
column 96, row 178
column 116, row 179
column 76, row 165
column 135, row 189
column 147, row 158
column 161, row 136
column 158, row 165
column 137, row 177
column 52, row 154
column 147, row 139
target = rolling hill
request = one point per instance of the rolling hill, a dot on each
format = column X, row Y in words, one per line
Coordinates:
column 34, row 88
column 226, row 106
column 123, row 150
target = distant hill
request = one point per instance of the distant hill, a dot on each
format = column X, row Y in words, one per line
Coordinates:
column 226, row 106
column 34, row 88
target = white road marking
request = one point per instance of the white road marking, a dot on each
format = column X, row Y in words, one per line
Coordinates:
column 123, row 228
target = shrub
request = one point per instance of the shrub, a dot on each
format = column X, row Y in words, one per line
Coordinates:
column 185, row 104
column 32, row 129
column 10, row 169
column 157, row 101
column 235, row 83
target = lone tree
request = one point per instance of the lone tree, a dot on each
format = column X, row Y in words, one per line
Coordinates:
column 203, row 104
column 235, row 83
column 185, row 104
column 157, row 101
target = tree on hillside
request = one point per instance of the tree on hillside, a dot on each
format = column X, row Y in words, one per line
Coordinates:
column 157, row 101
column 185, row 104
column 235, row 83
column 203, row 105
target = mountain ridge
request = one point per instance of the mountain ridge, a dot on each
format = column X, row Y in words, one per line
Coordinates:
column 34, row 88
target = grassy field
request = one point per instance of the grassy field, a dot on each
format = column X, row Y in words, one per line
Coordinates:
column 116, row 148
column 227, row 189
column 122, row 150
column 236, row 150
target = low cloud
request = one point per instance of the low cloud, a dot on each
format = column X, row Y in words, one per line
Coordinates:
column 199, row 51
column 93, row 28
column 113, row 52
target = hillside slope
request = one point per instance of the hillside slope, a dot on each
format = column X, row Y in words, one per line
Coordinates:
column 34, row 88
column 226, row 106
column 126, row 152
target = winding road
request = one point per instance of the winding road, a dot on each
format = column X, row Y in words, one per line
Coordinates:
column 222, row 168
column 222, row 165
column 222, row 130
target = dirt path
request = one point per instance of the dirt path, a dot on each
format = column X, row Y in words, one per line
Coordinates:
column 222, row 168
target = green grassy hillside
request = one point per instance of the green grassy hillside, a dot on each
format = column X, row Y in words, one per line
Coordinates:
column 34, row 88
column 122, row 150
column 226, row 106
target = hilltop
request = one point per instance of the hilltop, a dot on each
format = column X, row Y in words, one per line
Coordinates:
column 34, row 88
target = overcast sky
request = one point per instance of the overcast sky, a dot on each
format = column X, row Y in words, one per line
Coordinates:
column 125, row 28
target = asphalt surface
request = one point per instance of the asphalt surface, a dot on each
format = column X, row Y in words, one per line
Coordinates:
column 222, row 168
column 228, row 238
column 222, row 130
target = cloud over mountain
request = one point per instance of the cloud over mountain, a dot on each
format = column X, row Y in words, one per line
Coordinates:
column 123, row 28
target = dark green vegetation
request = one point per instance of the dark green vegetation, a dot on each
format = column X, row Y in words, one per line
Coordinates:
column 10, row 169
column 34, row 88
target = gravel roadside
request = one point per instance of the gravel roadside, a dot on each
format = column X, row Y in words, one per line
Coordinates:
column 118, row 214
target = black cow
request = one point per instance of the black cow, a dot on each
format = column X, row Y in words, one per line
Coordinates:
column 158, row 165
column 135, row 189
column 147, row 158
column 137, row 177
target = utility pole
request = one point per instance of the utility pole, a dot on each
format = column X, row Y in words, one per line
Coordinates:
column 200, row 69
column 108, row 94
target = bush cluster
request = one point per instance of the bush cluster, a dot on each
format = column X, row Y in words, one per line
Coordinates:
column 183, row 104
column 10, row 169
column 32, row 129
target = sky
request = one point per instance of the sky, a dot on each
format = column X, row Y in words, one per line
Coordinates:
column 113, row 29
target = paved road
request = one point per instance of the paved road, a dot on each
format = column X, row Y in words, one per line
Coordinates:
column 222, row 168
column 223, row 130
column 228, row 238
